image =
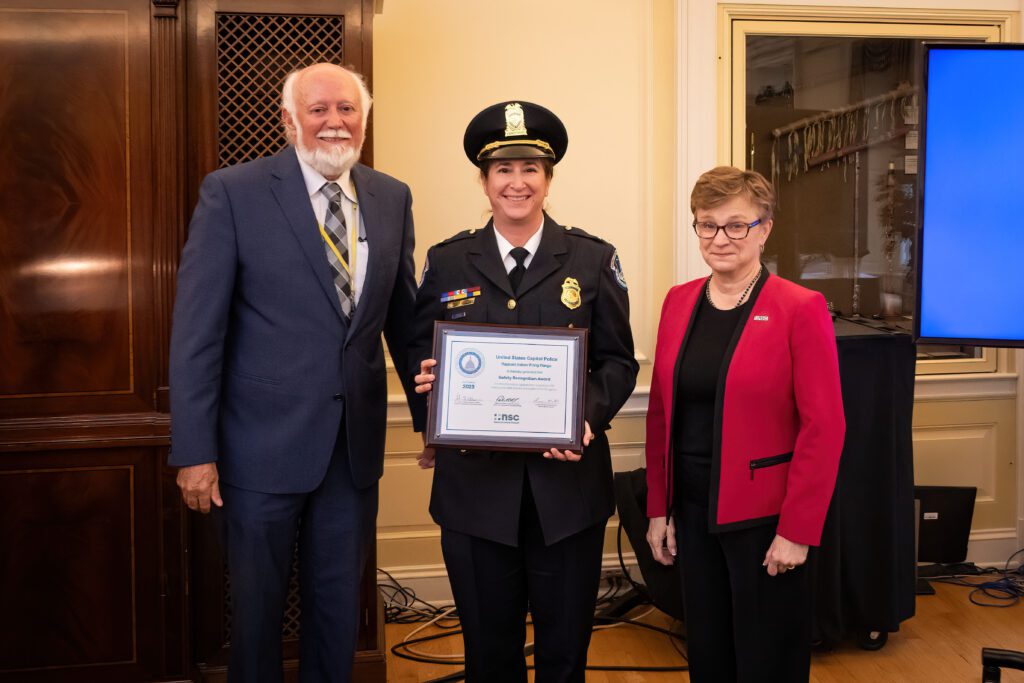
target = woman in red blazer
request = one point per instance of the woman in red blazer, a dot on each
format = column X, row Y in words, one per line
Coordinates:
column 744, row 431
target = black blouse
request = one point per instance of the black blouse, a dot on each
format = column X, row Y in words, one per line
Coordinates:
column 696, row 390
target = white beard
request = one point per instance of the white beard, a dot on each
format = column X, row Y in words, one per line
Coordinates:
column 330, row 163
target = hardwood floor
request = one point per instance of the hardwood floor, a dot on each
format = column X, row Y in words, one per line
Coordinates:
column 942, row 643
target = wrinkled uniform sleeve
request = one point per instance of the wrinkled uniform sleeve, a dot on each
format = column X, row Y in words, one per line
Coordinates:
column 428, row 308
column 613, row 367
column 819, row 443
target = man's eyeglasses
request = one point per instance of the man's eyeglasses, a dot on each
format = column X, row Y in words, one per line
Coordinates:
column 734, row 231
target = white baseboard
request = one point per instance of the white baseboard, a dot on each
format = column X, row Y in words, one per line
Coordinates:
column 993, row 547
column 430, row 581
column 987, row 548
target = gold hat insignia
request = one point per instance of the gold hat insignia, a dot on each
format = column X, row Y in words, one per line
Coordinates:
column 571, row 293
column 515, row 120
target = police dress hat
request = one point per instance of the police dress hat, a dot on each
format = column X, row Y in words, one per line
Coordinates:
column 515, row 130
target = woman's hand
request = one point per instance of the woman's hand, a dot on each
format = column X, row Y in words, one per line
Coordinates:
column 426, row 458
column 567, row 456
column 783, row 556
column 425, row 380
column 661, row 536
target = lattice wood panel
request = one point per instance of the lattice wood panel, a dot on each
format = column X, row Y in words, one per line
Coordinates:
column 254, row 54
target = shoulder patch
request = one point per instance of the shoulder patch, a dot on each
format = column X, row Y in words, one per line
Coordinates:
column 426, row 267
column 580, row 232
column 616, row 267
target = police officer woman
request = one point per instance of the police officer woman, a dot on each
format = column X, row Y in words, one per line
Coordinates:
column 525, row 531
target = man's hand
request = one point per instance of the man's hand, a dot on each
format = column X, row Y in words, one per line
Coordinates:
column 569, row 456
column 784, row 555
column 199, row 487
column 425, row 380
column 661, row 536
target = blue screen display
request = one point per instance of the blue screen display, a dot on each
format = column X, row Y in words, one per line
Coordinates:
column 972, row 235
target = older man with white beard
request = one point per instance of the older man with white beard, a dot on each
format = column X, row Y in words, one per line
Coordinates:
column 294, row 266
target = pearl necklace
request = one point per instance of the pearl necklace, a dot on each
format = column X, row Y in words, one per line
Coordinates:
column 743, row 296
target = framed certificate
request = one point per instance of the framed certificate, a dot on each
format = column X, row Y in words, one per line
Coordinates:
column 507, row 387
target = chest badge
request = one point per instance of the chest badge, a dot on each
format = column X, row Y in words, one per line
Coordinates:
column 571, row 293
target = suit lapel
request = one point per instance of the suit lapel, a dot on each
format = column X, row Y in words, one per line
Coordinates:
column 549, row 256
column 376, row 237
column 290, row 192
column 484, row 256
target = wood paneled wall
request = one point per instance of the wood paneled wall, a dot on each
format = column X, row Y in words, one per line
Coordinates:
column 100, row 566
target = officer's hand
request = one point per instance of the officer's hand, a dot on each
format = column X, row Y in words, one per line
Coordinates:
column 425, row 380
column 569, row 456
column 426, row 458
column 199, row 487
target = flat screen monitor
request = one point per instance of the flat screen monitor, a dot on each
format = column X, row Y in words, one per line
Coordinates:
column 971, row 239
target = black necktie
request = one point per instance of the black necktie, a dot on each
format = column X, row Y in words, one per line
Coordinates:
column 515, row 276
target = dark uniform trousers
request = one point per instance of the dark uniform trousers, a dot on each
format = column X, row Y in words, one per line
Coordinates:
column 494, row 584
column 742, row 625
column 520, row 532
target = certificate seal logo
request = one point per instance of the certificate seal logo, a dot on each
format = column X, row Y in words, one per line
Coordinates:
column 470, row 363
column 571, row 293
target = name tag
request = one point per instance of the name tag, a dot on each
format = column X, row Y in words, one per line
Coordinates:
column 761, row 318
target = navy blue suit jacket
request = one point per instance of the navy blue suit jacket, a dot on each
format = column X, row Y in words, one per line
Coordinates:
column 263, row 365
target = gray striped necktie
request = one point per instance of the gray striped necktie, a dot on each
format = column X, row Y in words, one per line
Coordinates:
column 335, row 236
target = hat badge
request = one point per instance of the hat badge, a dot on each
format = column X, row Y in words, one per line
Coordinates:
column 571, row 293
column 515, row 120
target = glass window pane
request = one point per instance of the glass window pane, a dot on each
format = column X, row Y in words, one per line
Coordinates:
column 833, row 121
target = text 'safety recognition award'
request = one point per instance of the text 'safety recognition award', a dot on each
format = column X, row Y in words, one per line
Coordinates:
column 507, row 387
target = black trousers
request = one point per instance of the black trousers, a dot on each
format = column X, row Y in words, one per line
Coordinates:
column 742, row 625
column 494, row 585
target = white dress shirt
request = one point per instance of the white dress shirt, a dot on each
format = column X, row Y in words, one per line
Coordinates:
column 505, row 248
column 353, row 217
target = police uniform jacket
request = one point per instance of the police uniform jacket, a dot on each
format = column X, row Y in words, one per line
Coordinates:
column 479, row 493
column 779, row 422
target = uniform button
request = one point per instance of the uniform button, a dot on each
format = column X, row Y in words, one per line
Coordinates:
column 339, row 397
column 462, row 451
column 511, row 304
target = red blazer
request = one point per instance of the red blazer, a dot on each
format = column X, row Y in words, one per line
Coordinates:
column 780, row 409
